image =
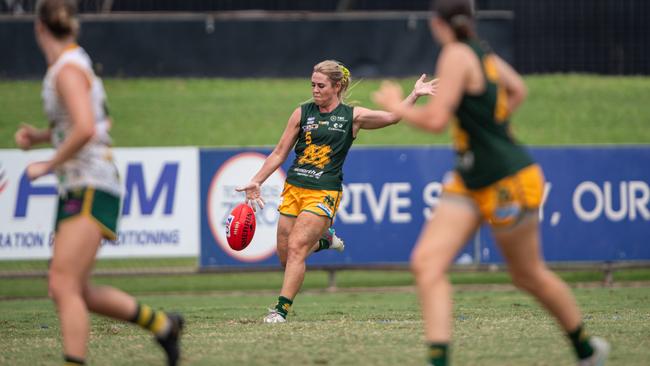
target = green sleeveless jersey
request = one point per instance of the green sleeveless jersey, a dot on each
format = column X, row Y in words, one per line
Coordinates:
column 323, row 144
column 485, row 148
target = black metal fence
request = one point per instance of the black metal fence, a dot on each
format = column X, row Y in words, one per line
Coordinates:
column 226, row 5
column 591, row 36
column 255, row 45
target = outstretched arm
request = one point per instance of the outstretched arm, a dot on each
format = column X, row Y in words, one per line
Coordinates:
column 369, row 119
column 452, row 71
column 272, row 162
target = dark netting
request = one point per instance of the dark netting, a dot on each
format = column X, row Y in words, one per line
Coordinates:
column 595, row 36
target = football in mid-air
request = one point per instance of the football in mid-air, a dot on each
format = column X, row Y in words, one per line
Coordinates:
column 240, row 227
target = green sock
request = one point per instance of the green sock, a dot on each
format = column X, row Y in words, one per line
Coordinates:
column 580, row 341
column 73, row 361
column 438, row 354
column 283, row 306
column 322, row 245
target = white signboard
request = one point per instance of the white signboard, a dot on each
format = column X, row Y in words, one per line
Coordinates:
column 159, row 211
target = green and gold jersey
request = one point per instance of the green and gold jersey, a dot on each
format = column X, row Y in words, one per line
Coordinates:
column 486, row 151
column 323, row 144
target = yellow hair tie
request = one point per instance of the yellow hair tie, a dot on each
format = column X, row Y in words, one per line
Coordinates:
column 346, row 73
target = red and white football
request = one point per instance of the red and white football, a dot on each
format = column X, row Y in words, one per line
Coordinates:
column 240, row 227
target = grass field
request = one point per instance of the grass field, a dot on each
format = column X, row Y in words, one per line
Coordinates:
column 561, row 109
column 34, row 287
column 346, row 328
column 374, row 318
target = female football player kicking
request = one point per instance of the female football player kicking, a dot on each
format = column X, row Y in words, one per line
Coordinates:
column 322, row 132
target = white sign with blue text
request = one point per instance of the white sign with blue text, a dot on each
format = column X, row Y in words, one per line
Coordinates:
column 159, row 211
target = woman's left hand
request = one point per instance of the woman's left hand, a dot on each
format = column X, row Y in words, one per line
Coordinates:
column 425, row 87
column 38, row 169
column 389, row 96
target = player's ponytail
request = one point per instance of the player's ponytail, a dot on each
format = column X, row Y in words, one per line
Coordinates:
column 459, row 14
column 59, row 16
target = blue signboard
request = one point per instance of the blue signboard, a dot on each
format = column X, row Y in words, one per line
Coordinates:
column 596, row 206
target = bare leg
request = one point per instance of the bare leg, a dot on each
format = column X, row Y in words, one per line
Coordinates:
column 111, row 302
column 285, row 225
column 442, row 237
column 75, row 247
column 306, row 231
column 520, row 246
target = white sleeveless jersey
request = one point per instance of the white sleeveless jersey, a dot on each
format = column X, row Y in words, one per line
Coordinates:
column 93, row 165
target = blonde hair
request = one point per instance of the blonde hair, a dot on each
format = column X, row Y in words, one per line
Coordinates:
column 59, row 16
column 337, row 73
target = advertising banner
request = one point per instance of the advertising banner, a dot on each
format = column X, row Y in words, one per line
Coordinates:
column 596, row 205
column 158, row 213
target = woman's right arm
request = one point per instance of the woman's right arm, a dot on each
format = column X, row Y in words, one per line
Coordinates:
column 452, row 69
column 273, row 161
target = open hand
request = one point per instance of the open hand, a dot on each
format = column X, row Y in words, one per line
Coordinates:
column 253, row 195
column 425, row 87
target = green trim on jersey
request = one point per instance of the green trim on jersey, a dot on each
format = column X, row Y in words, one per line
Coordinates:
column 485, row 148
column 323, row 144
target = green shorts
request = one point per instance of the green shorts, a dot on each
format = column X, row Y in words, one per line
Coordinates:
column 102, row 207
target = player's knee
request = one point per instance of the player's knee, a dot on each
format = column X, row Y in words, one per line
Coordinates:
column 293, row 253
column 296, row 251
column 424, row 269
column 61, row 285
column 528, row 280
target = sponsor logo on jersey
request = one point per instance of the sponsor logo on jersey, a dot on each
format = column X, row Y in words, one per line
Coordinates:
column 311, row 120
column 307, row 128
column 310, row 173
column 325, row 123
column 338, row 127
column 329, row 200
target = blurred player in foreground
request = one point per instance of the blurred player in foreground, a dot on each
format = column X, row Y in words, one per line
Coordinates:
column 495, row 181
column 322, row 132
column 89, row 188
